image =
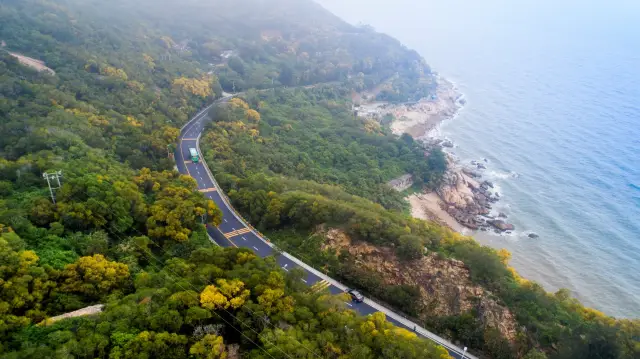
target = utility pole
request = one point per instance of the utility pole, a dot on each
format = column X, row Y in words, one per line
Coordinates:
column 53, row 179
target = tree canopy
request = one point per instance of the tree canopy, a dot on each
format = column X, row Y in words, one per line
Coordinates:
column 126, row 230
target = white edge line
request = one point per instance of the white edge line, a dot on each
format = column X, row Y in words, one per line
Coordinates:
column 409, row 324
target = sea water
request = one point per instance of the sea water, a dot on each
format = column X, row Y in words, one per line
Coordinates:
column 553, row 104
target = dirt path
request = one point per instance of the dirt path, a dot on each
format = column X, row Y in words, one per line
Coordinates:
column 94, row 309
column 31, row 62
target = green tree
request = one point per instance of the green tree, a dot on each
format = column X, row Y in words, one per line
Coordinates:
column 209, row 347
column 153, row 345
column 410, row 248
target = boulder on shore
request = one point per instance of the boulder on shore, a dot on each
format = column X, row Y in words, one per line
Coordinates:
column 502, row 225
column 471, row 173
column 533, row 235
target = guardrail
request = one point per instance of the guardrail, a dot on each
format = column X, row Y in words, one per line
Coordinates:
column 406, row 322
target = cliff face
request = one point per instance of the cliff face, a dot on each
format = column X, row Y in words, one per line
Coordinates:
column 445, row 284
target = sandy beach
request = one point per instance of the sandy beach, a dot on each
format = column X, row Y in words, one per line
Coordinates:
column 464, row 200
column 419, row 118
column 428, row 206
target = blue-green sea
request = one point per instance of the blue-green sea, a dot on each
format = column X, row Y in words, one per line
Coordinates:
column 553, row 103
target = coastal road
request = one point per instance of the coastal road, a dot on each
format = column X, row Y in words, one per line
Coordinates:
column 234, row 231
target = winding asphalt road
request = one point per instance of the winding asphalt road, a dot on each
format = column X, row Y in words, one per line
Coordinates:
column 234, row 231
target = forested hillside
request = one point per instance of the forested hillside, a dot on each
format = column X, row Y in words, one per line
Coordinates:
column 293, row 197
column 127, row 230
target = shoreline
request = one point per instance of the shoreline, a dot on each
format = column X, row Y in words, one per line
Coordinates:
column 464, row 201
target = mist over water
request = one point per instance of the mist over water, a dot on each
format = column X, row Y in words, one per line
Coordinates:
column 553, row 97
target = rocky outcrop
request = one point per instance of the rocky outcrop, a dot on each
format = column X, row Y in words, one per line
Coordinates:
column 468, row 199
column 445, row 284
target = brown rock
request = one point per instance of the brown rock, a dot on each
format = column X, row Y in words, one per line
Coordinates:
column 445, row 284
column 501, row 225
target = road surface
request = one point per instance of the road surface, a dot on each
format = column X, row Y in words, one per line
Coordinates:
column 234, row 231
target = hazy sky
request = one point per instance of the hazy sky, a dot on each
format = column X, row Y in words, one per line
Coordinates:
column 413, row 20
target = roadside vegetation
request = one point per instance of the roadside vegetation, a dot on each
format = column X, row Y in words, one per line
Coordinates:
column 126, row 230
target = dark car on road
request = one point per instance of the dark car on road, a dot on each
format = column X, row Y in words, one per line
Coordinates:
column 356, row 296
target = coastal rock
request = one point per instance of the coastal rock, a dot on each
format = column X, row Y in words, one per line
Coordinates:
column 481, row 166
column 456, row 190
column 501, row 225
column 446, row 143
column 533, row 235
column 502, row 215
column 471, row 173
column 488, row 183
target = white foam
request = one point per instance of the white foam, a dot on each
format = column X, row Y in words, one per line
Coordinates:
column 501, row 174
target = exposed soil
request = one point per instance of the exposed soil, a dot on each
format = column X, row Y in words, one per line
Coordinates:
column 31, row 62
column 445, row 284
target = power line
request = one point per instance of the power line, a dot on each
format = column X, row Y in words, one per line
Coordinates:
column 208, row 283
column 177, row 283
column 303, row 256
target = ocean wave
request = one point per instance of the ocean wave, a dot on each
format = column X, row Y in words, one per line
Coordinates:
column 495, row 174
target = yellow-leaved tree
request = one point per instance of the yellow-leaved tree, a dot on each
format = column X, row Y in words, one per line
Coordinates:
column 177, row 208
column 199, row 87
column 24, row 286
column 504, row 256
column 273, row 299
column 253, row 115
column 238, row 103
column 113, row 72
column 149, row 60
column 94, row 276
column 224, row 294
